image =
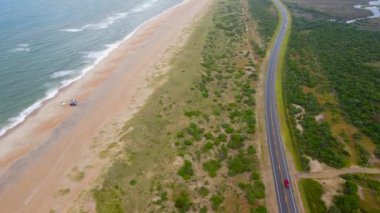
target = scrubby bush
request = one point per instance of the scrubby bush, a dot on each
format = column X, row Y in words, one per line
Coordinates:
column 203, row 191
column 260, row 209
column 183, row 202
column 186, row 171
column 236, row 141
column 211, row 166
column 239, row 164
column 207, row 146
column 216, row 200
column 349, row 201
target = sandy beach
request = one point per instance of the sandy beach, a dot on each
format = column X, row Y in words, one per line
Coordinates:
column 38, row 159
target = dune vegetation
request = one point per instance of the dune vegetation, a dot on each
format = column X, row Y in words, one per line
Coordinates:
column 192, row 146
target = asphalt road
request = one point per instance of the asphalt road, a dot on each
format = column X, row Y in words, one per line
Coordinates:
column 285, row 196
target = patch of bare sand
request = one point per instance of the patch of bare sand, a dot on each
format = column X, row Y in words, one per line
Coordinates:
column 316, row 166
column 319, row 118
column 108, row 96
column 331, row 188
column 299, row 117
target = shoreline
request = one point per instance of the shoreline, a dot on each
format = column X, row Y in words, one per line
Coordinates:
column 50, row 94
column 108, row 95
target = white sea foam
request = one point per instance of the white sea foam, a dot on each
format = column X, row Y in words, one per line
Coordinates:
column 13, row 122
column 101, row 25
column 112, row 19
column 97, row 57
column 63, row 73
column 20, row 48
column 144, row 6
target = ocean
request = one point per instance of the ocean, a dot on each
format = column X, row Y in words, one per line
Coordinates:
column 46, row 45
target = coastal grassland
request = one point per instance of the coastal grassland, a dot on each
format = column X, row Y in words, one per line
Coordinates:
column 149, row 156
column 329, row 74
column 191, row 147
column 312, row 192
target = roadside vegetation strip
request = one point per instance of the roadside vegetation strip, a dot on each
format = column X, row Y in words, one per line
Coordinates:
column 312, row 192
column 323, row 66
column 191, row 146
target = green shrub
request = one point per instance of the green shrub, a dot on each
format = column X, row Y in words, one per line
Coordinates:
column 251, row 150
column 194, row 131
column 207, row 146
column 349, row 201
column 203, row 210
column 192, row 113
column 239, row 164
column 236, row 142
column 216, row 200
column 180, row 134
column 221, row 137
column 260, row 209
column 183, row 202
column 377, row 152
column 211, row 166
column 203, row 191
column 363, row 154
column 132, row 182
column 253, row 192
column 186, row 171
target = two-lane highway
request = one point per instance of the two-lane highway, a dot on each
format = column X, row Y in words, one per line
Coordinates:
column 285, row 197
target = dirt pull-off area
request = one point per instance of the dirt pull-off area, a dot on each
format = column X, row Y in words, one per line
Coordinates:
column 331, row 173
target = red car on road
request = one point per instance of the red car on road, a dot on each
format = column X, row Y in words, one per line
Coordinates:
column 286, row 183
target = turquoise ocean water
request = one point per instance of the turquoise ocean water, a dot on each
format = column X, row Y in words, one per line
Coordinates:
column 47, row 44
